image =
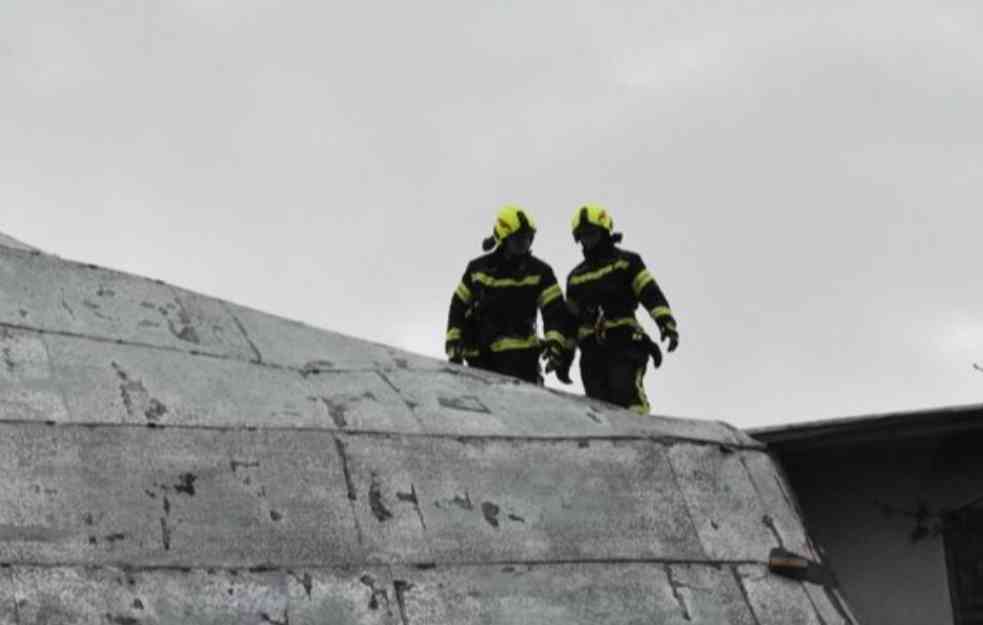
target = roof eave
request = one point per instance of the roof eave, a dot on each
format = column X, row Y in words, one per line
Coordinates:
column 868, row 429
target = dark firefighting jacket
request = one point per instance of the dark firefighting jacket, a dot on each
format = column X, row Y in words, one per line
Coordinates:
column 603, row 293
column 494, row 307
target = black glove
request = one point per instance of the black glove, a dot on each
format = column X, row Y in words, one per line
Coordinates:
column 558, row 360
column 455, row 353
column 667, row 331
column 654, row 352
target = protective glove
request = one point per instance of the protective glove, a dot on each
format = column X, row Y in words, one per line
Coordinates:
column 455, row 352
column 654, row 352
column 667, row 331
column 558, row 360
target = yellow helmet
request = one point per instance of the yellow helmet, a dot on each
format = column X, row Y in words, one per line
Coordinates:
column 510, row 219
column 591, row 214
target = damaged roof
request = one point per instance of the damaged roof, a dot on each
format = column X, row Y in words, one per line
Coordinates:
column 173, row 458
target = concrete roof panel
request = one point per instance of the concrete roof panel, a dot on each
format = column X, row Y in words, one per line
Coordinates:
column 298, row 345
column 465, row 401
column 104, row 494
column 497, row 594
column 104, row 382
column 575, row 594
column 469, row 401
column 777, row 600
column 448, row 500
column 66, row 378
column 47, row 293
column 709, row 594
column 362, row 595
column 52, row 596
column 783, row 516
column 726, row 510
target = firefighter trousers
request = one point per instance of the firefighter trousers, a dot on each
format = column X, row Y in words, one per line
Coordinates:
column 518, row 363
column 616, row 374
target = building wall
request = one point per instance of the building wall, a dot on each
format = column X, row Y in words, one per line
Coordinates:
column 874, row 509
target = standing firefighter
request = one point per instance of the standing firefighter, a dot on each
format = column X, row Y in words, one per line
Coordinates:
column 492, row 319
column 603, row 292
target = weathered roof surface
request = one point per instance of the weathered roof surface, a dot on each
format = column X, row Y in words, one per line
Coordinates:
column 172, row 458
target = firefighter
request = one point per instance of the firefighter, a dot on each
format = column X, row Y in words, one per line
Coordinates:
column 492, row 320
column 602, row 294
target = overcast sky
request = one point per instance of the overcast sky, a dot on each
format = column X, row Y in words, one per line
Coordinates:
column 803, row 178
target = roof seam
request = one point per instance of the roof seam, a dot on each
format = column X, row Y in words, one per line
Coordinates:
column 304, row 372
column 245, row 334
column 667, row 441
column 747, row 597
column 815, row 608
column 268, row 567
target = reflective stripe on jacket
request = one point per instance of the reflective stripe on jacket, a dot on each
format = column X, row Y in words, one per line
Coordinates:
column 613, row 285
column 494, row 306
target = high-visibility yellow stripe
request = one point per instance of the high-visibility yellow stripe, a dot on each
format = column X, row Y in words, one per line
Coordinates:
column 643, row 278
column 613, row 323
column 463, row 293
column 471, row 353
column 642, row 408
column 599, row 273
column 569, row 344
column 502, row 345
column 491, row 281
column 549, row 294
column 553, row 335
column 453, row 334
column 660, row 311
